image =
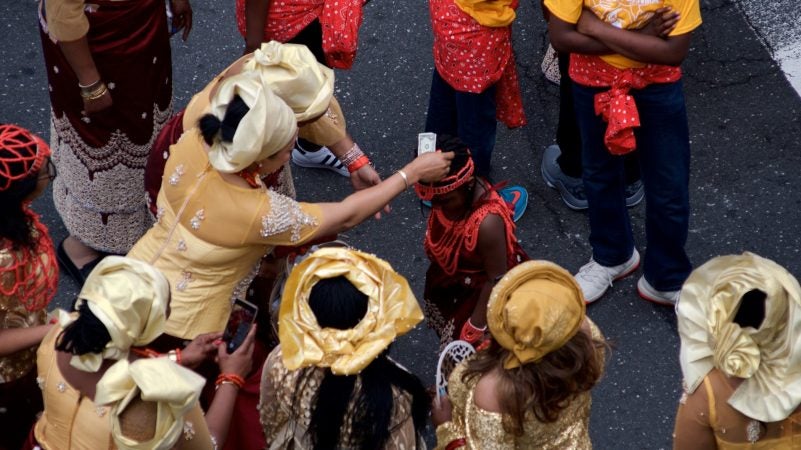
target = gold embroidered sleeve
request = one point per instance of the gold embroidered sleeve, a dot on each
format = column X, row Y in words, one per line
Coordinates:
column 287, row 222
column 327, row 129
column 66, row 20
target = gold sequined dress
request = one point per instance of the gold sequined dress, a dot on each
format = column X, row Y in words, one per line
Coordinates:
column 286, row 419
column 483, row 430
column 210, row 235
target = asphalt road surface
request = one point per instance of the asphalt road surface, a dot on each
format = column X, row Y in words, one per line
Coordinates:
column 745, row 123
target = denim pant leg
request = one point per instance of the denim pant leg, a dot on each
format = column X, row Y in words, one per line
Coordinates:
column 604, row 185
column 478, row 126
column 663, row 138
column 441, row 117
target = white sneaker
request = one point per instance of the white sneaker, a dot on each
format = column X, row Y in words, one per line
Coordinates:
column 648, row 292
column 594, row 279
column 321, row 159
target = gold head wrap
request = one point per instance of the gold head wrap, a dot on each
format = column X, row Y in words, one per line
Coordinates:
column 130, row 298
column 392, row 311
column 533, row 310
column 174, row 389
column 293, row 73
column 268, row 127
column 490, row 13
column 768, row 358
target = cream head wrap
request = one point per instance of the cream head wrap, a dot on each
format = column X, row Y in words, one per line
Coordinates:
column 533, row 310
column 392, row 311
column 130, row 298
column 268, row 127
column 293, row 73
column 174, row 390
column 768, row 358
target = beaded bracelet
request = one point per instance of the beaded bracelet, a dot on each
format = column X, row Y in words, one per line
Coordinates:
column 175, row 356
column 352, row 155
column 230, row 378
column 456, row 443
column 358, row 164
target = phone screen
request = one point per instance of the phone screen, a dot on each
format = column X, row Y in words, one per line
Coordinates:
column 243, row 314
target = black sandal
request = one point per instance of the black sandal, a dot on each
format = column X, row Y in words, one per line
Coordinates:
column 79, row 275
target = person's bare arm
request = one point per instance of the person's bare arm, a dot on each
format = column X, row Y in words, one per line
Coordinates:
column 255, row 20
column 565, row 38
column 692, row 430
column 492, row 249
column 359, row 206
column 633, row 44
column 80, row 60
column 13, row 340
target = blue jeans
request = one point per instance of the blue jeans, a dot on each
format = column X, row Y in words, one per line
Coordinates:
column 469, row 116
column 664, row 146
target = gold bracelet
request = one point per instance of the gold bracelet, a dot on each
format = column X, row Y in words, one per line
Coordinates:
column 226, row 382
column 90, row 86
column 95, row 93
column 405, row 178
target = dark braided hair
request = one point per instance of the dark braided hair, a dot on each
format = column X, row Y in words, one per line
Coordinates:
column 86, row 334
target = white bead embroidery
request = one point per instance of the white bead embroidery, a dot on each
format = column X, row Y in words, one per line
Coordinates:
column 199, row 216
column 61, row 387
column 41, row 382
column 752, row 431
column 101, row 411
column 183, row 283
column 189, row 431
column 181, row 245
column 177, row 174
column 159, row 214
column 285, row 214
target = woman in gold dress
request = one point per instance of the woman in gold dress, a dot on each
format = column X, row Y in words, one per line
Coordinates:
column 531, row 387
column 28, row 278
column 103, row 388
column 739, row 318
column 330, row 383
column 216, row 218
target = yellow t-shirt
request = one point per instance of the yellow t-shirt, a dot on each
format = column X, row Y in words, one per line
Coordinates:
column 628, row 15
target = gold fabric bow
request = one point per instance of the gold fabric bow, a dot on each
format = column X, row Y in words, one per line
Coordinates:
column 295, row 76
column 130, row 298
column 392, row 311
column 766, row 358
column 533, row 310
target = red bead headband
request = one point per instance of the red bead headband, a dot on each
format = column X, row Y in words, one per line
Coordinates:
column 448, row 184
column 25, row 148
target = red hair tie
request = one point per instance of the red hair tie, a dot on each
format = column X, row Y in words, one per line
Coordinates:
column 447, row 184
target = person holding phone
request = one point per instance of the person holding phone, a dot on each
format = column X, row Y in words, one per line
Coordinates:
column 105, row 116
column 531, row 387
column 330, row 383
column 104, row 388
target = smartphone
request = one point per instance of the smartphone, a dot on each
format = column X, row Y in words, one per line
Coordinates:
column 243, row 314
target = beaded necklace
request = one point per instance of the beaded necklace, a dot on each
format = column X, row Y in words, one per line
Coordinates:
column 34, row 269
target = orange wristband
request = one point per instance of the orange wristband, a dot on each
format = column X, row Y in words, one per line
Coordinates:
column 359, row 163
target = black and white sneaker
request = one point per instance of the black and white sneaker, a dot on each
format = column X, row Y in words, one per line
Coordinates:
column 320, row 159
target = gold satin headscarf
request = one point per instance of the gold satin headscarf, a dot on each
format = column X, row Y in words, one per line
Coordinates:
column 174, row 389
column 768, row 358
column 490, row 13
column 293, row 73
column 130, row 298
column 268, row 127
column 533, row 310
column 392, row 311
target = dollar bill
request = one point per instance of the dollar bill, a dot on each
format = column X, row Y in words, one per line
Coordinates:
column 426, row 142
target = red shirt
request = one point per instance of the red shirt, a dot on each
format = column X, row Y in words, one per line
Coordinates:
column 471, row 57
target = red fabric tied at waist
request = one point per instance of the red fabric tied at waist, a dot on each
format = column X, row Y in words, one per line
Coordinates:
column 339, row 19
column 616, row 106
column 471, row 57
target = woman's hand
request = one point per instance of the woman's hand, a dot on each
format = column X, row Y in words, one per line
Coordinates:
column 240, row 361
column 441, row 410
column 430, row 167
column 201, row 348
column 365, row 177
column 98, row 104
column 181, row 17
